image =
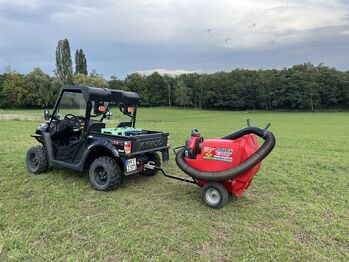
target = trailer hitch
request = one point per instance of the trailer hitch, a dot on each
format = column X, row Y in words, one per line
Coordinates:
column 151, row 165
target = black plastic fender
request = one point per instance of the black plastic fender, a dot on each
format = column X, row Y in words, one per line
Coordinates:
column 103, row 144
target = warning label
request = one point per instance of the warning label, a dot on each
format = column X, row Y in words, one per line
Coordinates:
column 220, row 154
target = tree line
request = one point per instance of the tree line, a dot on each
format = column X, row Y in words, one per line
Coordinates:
column 301, row 87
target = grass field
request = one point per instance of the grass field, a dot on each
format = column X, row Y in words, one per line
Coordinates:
column 297, row 208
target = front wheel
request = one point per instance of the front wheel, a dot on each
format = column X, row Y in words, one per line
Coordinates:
column 36, row 160
column 214, row 194
column 105, row 174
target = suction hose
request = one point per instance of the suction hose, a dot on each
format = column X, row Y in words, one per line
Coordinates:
column 243, row 167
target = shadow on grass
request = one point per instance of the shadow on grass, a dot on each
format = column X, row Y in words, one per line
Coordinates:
column 157, row 188
column 66, row 173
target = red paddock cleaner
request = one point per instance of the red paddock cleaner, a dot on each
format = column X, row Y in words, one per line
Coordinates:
column 219, row 154
column 224, row 166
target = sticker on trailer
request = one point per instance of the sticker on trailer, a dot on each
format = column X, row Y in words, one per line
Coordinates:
column 217, row 153
column 131, row 164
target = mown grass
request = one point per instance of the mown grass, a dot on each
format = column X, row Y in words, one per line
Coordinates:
column 31, row 112
column 297, row 208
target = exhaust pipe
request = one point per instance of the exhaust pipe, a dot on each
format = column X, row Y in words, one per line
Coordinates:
column 243, row 167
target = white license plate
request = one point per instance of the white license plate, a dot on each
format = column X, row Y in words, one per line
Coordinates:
column 131, row 164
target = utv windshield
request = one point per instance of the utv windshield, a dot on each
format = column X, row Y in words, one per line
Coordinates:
column 72, row 103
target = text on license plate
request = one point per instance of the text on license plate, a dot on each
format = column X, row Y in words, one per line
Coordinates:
column 131, row 164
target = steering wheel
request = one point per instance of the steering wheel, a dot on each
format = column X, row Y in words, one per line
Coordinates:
column 72, row 121
column 71, row 116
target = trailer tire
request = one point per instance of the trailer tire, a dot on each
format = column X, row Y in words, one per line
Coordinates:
column 214, row 194
column 105, row 174
column 153, row 157
column 36, row 160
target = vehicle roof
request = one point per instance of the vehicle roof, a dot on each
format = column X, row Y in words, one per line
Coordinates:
column 104, row 94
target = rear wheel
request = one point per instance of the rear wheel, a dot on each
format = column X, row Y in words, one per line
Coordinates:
column 155, row 160
column 36, row 160
column 105, row 174
column 214, row 194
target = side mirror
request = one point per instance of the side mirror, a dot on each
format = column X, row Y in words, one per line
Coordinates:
column 47, row 114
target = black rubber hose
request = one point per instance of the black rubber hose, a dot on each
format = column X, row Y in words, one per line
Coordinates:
column 243, row 167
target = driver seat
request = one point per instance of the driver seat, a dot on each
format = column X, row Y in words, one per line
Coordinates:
column 124, row 124
column 95, row 126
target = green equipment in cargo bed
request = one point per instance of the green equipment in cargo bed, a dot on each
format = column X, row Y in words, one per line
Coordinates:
column 122, row 131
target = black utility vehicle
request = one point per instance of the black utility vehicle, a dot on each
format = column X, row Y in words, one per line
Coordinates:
column 75, row 137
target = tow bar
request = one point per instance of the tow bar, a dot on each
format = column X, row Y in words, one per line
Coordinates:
column 151, row 166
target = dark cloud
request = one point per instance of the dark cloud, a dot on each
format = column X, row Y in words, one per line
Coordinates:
column 120, row 37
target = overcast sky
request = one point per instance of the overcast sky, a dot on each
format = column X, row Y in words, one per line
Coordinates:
column 124, row 36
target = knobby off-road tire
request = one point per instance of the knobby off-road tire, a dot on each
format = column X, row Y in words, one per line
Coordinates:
column 214, row 194
column 37, row 160
column 105, row 174
column 153, row 157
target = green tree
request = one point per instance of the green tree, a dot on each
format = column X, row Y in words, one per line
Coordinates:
column 157, row 90
column 14, row 93
column 56, row 85
column 191, row 81
column 182, row 94
column 2, row 98
column 38, row 84
column 115, row 83
column 64, row 68
column 80, row 62
column 265, row 88
column 136, row 82
column 169, row 84
column 85, row 80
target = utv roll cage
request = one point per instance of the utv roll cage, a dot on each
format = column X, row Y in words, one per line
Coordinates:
column 101, row 95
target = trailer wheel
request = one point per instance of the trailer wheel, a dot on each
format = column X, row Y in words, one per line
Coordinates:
column 153, row 157
column 105, row 174
column 214, row 194
column 36, row 160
